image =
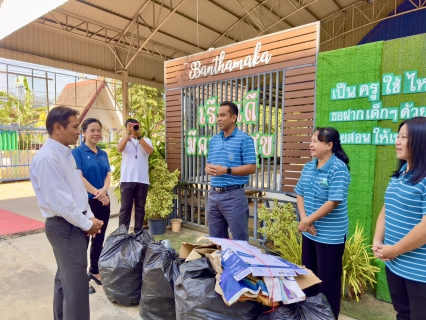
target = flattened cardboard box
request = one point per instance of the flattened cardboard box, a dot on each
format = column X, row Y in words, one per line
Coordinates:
column 193, row 251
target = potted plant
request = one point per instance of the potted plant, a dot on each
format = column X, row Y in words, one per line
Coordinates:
column 280, row 229
column 159, row 202
column 357, row 268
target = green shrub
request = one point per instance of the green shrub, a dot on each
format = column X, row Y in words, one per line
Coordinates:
column 159, row 202
column 280, row 227
column 357, row 266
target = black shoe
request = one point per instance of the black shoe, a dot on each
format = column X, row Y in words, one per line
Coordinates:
column 92, row 277
column 91, row 290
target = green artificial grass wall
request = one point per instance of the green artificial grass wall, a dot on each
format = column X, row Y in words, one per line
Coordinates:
column 354, row 65
column 371, row 166
column 399, row 55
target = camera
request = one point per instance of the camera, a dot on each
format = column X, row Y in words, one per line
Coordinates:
column 136, row 126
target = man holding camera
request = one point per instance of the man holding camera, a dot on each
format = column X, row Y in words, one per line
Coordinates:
column 134, row 179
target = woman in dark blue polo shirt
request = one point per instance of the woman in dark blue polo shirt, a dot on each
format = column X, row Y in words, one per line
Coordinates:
column 322, row 202
column 96, row 175
column 400, row 237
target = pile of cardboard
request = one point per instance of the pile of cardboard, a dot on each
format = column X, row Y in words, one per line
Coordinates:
column 245, row 273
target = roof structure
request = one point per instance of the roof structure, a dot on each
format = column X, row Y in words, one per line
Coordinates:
column 104, row 37
column 81, row 94
column 91, row 98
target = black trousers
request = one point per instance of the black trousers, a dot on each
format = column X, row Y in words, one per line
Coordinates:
column 408, row 297
column 325, row 260
column 70, row 294
column 101, row 213
column 137, row 192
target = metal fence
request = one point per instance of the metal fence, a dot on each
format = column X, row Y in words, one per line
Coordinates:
column 265, row 184
column 18, row 147
column 29, row 89
column 46, row 86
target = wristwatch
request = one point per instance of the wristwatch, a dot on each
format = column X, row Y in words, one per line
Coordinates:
column 139, row 138
column 228, row 171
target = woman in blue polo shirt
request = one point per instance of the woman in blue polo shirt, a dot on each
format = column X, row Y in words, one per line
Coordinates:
column 322, row 202
column 400, row 237
column 96, row 175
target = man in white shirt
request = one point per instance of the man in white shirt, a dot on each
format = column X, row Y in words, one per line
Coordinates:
column 134, row 179
column 63, row 201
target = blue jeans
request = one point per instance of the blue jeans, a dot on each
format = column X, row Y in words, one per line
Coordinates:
column 228, row 209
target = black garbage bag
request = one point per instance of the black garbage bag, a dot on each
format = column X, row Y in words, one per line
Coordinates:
column 313, row 308
column 196, row 299
column 160, row 271
column 120, row 265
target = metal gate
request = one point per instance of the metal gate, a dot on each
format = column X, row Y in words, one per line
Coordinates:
column 265, row 184
column 18, row 146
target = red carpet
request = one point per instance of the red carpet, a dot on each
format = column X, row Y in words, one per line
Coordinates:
column 11, row 223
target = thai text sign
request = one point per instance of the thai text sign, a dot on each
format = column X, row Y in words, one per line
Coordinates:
column 248, row 113
column 391, row 84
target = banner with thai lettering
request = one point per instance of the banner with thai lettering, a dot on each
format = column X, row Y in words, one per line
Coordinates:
column 248, row 113
column 391, row 85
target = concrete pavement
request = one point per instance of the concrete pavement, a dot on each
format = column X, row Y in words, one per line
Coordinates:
column 28, row 269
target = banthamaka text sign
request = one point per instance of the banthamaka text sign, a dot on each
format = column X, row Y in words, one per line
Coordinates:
column 221, row 65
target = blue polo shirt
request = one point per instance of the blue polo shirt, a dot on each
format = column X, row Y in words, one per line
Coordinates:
column 317, row 186
column 233, row 151
column 405, row 207
column 94, row 166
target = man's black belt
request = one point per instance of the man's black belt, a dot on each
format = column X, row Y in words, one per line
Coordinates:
column 229, row 188
column 84, row 212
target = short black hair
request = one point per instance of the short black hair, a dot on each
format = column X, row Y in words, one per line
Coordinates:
column 130, row 120
column 233, row 109
column 61, row 115
column 416, row 149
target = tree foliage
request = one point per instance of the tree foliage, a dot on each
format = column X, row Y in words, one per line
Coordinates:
column 142, row 99
column 14, row 110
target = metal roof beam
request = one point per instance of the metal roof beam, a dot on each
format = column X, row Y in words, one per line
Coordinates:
column 161, row 32
column 276, row 14
column 106, row 37
column 154, row 31
column 375, row 19
column 192, row 19
column 143, row 6
column 290, row 14
column 239, row 20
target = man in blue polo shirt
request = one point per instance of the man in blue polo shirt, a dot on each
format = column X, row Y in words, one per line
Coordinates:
column 231, row 159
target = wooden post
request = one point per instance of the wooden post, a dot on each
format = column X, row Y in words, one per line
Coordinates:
column 125, row 92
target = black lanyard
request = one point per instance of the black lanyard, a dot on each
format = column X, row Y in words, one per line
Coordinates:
column 136, row 148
